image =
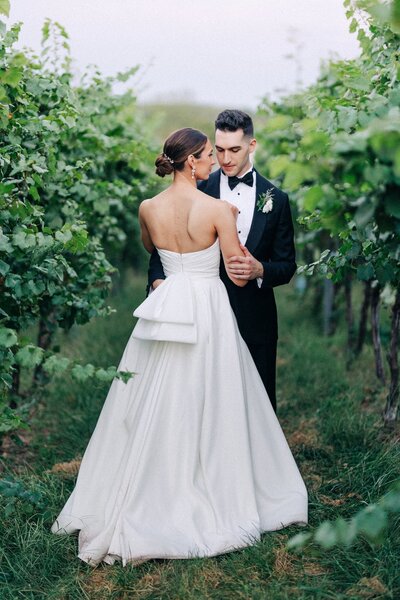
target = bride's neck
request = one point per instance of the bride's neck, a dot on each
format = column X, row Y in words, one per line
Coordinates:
column 183, row 178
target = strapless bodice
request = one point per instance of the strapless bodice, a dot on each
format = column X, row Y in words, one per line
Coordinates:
column 203, row 263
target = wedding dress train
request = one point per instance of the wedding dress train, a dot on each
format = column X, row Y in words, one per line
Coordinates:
column 187, row 458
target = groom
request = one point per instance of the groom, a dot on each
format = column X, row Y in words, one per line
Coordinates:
column 266, row 235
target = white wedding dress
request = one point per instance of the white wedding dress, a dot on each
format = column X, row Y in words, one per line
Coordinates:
column 188, row 458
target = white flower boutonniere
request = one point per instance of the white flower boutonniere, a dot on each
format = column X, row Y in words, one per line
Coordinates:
column 266, row 202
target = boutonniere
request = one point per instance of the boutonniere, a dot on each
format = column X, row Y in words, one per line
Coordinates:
column 266, row 201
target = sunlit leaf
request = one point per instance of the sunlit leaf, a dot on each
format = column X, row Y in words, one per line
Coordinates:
column 29, row 356
column 5, row 7
column 8, row 337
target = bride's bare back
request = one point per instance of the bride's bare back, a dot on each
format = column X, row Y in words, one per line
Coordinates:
column 183, row 219
column 180, row 222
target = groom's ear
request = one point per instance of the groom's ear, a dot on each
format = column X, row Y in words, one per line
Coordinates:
column 252, row 145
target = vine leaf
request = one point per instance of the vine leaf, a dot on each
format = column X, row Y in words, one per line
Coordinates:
column 5, row 7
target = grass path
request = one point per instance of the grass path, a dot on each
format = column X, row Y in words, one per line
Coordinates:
column 332, row 422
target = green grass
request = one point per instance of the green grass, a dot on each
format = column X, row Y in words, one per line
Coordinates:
column 332, row 420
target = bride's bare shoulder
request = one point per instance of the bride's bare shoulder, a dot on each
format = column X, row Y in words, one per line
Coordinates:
column 209, row 201
column 150, row 202
column 217, row 205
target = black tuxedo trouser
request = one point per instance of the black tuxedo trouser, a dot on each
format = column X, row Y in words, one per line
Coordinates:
column 264, row 357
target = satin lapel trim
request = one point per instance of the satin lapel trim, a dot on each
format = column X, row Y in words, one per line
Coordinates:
column 259, row 218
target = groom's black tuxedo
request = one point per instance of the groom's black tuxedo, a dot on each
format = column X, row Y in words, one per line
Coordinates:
column 270, row 241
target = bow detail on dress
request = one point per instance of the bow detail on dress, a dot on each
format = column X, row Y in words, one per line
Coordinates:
column 167, row 314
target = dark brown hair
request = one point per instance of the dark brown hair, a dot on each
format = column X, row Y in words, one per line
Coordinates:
column 232, row 120
column 177, row 147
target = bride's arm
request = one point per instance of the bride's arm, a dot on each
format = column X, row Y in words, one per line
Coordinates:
column 146, row 237
column 225, row 225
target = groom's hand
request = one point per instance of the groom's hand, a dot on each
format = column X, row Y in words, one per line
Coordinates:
column 244, row 267
column 156, row 283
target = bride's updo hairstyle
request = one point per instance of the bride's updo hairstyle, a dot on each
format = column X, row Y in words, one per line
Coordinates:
column 178, row 146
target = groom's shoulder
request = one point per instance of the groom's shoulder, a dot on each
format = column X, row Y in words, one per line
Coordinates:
column 210, row 184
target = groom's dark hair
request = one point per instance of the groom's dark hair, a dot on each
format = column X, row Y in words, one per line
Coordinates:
column 232, row 120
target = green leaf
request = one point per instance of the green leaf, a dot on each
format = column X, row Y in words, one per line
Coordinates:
column 63, row 236
column 392, row 205
column 34, row 193
column 81, row 373
column 5, row 245
column 8, row 337
column 385, row 273
column 9, row 421
column 312, row 197
column 79, row 241
column 34, row 287
column 5, row 7
column 347, row 117
column 295, row 175
column 353, row 26
column 29, row 356
column 12, row 77
column 360, row 82
column 277, row 165
column 23, row 240
column 19, row 59
column 45, row 31
column 102, row 205
column 365, row 272
column 6, row 188
column 355, row 142
column 387, row 13
column 396, row 164
column 315, row 142
column 125, row 376
column 124, row 76
column 4, row 267
column 56, row 365
column 277, row 122
column 386, row 144
column 364, row 213
column 106, row 375
column 70, row 122
column 377, row 174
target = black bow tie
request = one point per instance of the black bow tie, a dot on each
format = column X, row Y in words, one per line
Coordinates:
column 247, row 179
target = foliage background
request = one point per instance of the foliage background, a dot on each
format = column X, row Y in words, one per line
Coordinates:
column 75, row 162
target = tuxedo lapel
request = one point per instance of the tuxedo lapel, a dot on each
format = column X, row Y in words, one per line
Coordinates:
column 212, row 187
column 259, row 218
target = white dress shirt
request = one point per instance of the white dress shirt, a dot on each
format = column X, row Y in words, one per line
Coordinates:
column 244, row 197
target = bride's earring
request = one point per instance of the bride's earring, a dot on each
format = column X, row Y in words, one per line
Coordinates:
column 193, row 172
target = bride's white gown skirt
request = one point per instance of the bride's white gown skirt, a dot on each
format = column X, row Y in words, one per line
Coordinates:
column 188, row 458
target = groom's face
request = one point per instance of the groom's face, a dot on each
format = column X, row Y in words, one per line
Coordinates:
column 233, row 150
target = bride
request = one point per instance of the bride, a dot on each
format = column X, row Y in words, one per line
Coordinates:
column 188, row 458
